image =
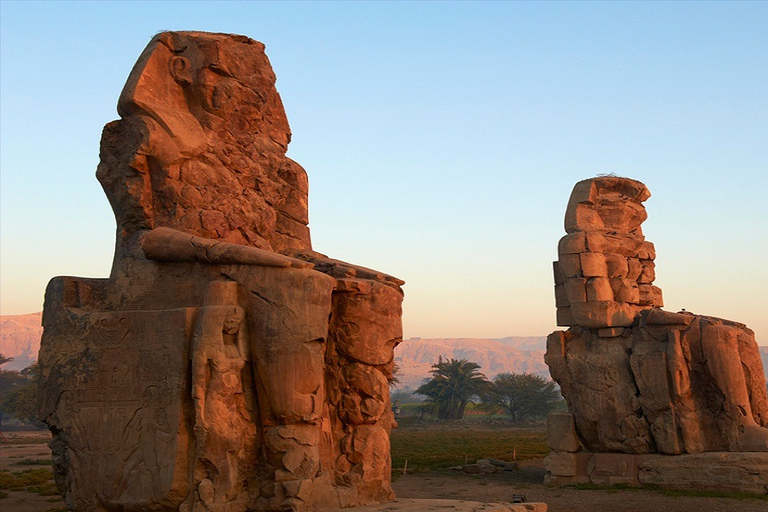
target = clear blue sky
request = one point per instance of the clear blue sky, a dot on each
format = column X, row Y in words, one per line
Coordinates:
column 441, row 139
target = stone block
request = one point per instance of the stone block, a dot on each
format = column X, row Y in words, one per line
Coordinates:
column 613, row 468
column 712, row 471
column 440, row 505
column 650, row 295
column 634, row 269
column 576, row 289
column 570, row 265
column 611, row 332
column 583, row 191
column 561, row 463
column 604, row 241
column 659, row 317
column 557, row 481
column 593, row 264
column 616, row 265
column 561, row 297
column 119, row 396
column 599, row 289
column 561, row 432
column 565, row 317
column 558, row 273
column 479, row 469
column 646, row 251
column 582, row 216
column 625, row 290
column 597, row 315
column 572, row 243
column 648, row 273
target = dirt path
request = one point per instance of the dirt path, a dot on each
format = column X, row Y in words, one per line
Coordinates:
column 527, row 481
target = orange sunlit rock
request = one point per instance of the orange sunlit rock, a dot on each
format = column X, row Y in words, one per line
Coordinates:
column 224, row 365
column 638, row 379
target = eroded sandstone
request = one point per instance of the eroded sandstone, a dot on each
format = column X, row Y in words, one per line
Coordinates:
column 224, row 365
column 638, row 379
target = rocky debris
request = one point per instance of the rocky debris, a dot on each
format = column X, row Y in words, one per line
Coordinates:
column 224, row 365
column 485, row 466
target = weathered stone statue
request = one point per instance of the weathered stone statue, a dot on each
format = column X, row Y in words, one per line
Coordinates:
column 638, row 379
column 224, row 365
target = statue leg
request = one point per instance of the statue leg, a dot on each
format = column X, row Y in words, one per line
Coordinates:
column 721, row 351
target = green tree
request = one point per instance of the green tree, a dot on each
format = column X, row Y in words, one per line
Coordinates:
column 18, row 394
column 522, row 395
column 454, row 384
column 9, row 381
column 21, row 401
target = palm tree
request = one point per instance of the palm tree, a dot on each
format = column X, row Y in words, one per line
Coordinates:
column 5, row 359
column 522, row 395
column 453, row 385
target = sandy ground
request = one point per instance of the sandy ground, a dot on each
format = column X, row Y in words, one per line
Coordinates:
column 497, row 487
column 500, row 487
column 16, row 447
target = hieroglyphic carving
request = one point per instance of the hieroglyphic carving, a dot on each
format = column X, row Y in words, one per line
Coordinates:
column 115, row 411
column 224, row 426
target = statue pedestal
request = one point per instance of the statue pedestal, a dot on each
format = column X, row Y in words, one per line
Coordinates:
column 742, row 472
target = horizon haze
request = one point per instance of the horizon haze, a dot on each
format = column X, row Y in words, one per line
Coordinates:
column 441, row 140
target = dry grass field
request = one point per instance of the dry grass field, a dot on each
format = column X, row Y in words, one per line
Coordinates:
column 432, row 448
column 26, row 479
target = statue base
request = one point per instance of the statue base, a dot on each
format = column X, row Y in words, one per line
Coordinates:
column 737, row 472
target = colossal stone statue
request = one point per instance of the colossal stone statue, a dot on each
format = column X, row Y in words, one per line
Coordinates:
column 638, row 379
column 224, row 365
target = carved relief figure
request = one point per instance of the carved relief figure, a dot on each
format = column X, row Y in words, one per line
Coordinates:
column 147, row 438
column 224, row 427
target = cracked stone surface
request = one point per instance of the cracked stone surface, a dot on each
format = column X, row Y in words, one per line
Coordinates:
column 224, row 365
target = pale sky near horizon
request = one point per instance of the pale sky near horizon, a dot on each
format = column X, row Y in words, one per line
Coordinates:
column 441, row 140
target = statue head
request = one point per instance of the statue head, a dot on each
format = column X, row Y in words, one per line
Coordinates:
column 201, row 147
column 607, row 202
column 199, row 85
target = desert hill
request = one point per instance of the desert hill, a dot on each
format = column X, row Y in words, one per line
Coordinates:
column 20, row 339
column 416, row 356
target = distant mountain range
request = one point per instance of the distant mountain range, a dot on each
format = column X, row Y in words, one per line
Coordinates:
column 20, row 339
column 415, row 356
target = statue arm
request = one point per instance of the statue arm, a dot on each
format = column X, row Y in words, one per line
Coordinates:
column 342, row 269
column 166, row 244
